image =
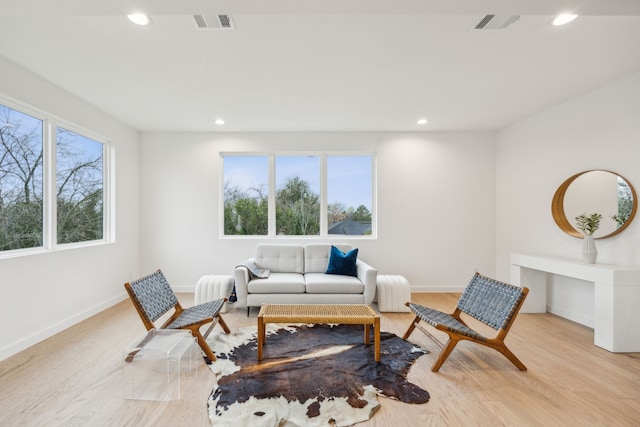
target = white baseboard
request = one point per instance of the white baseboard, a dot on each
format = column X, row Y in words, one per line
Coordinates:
column 190, row 289
column 437, row 289
column 35, row 338
column 416, row 289
column 573, row 316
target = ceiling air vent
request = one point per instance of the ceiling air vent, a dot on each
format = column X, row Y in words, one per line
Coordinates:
column 496, row 22
column 213, row 22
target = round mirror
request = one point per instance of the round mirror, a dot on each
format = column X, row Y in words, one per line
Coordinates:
column 595, row 191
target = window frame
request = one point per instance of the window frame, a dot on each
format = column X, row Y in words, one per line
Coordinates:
column 50, row 123
column 271, row 183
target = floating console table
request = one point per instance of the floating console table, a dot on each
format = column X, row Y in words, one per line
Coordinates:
column 617, row 295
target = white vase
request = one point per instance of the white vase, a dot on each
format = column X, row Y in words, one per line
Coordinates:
column 589, row 251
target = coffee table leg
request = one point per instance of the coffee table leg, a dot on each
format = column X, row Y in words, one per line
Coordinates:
column 261, row 336
column 367, row 333
column 376, row 335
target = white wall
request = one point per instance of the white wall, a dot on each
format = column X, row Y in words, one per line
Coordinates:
column 599, row 130
column 436, row 199
column 45, row 293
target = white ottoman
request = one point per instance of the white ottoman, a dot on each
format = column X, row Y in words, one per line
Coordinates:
column 213, row 287
column 393, row 292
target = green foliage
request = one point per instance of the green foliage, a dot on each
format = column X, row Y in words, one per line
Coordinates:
column 588, row 224
column 297, row 209
column 20, row 225
column 248, row 216
column 80, row 221
column 361, row 214
column 245, row 214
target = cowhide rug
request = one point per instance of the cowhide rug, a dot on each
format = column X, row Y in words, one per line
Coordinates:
column 310, row 375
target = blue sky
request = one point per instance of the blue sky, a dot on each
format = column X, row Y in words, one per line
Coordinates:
column 78, row 149
column 349, row 177
column 350, row 180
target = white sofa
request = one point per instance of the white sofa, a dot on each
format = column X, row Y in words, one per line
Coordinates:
column 297, row 276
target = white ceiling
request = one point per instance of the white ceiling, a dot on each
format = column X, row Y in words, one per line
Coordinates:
column 330, row 65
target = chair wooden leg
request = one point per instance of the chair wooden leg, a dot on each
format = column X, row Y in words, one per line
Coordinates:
column 223, row 324
column 512, row 357
column 445, row 353
column 204, row 345
column 412, row 326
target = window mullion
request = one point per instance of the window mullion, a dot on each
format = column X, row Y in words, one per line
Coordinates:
column 107, row 194
column 374, row 199
column 324, row 228
column 272, row 196
column 49, row 183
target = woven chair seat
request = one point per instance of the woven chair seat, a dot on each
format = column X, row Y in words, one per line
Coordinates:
column 434, row 318
column 192, row 315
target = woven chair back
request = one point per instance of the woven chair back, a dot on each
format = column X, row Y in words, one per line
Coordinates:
column 490, row 301
column 154, row 295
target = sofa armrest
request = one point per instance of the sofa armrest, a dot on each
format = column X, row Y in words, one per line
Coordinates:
column 241, row 276
column 369, row 276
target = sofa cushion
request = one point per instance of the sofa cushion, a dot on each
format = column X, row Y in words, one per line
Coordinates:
column 343, row 263
column 278, row 283
column 320, row 283
column 280, row 258
column 316, row 256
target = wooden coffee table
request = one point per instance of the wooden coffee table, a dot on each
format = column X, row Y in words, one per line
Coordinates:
column 345, row 314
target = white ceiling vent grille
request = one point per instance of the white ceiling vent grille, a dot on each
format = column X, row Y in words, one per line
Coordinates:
column 496, row 22
column 213, row 22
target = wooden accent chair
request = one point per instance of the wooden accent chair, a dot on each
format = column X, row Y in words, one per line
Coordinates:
column 493, row 303
column 153, row 297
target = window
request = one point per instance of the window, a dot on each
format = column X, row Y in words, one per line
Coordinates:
column 298, row 195
column 21, row 185
column 349, row 193
column 74, row 198
column 79, row 176
column 246, row 187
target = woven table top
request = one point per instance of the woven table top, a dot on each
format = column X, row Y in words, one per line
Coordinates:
column 318, row 313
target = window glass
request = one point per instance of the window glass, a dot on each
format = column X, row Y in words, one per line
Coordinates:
column 246, row 195
column 21, row 180
column 79, row 190
column 349, row 194
column 284, row 195
column 298, row 195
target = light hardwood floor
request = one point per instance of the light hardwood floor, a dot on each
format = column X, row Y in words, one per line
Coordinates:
column 75, row 378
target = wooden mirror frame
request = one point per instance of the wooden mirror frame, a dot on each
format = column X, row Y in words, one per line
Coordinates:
column 559, row 216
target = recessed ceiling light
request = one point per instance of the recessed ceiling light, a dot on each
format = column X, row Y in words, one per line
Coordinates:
column 219, row 122
column 139, row 18
column 564, row 18
column 422, row 121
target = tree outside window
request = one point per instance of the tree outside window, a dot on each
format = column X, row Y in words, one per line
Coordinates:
column 246, row 198
column 21, row 185
column 298, row 195
column 79, row 176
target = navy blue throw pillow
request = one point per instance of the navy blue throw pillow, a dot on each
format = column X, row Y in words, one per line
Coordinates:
column 341, row 263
